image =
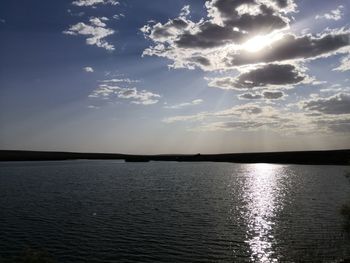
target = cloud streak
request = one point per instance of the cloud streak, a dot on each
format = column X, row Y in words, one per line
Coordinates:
column 344, row 64
column 184, row 105
column 94, row 2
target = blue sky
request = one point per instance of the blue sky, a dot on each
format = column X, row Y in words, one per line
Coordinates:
column 167, row 76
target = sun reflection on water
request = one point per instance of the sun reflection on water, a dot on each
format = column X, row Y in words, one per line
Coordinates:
column 262, row 200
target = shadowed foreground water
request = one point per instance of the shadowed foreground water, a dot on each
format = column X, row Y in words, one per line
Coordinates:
column 105, row 211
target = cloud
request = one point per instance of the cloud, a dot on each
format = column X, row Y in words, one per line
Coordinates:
column 229, row 22
column 93, row 107
column 335, row 14
column 291, row 47
column 250, row 96
column 96, row 32
column 80, row 14
column 97, row 21
column 118, row 16
column 337, row 104
column 344, row 64
column 184, row 105
column 3, row 21
column 94, row 2
column 340, row 125
column 334, row 89
column 269, row 95
column 243, row 111
column 255, row 117
column 196, row 117
column 88, row 69
column 235, row 125
column 247, row 117
column 111, row 89
column 125, row 80
column 270, row 75
column 233, row 33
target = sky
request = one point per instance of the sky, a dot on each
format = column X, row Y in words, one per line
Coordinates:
column 174, row 76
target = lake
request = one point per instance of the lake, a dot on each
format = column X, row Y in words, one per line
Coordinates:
column 110, row 211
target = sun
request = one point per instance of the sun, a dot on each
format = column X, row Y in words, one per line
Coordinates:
column 257, row 43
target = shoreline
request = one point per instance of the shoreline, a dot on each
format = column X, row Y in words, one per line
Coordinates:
column 332, row 157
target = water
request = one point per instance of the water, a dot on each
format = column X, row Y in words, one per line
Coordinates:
column 106, row 211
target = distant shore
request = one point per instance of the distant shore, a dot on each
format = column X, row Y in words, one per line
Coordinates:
column 335, row 157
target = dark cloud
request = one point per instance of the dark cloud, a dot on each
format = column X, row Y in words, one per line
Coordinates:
column 210, row 35
column 290, row 47
column 250, row 96
column 337, row 104
column 282, row 3
column 270, row 95
column 244, row 125
column 271, row 74
column 227, row 25
column 201, row 60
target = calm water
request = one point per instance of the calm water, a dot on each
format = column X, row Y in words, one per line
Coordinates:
column 105, row 211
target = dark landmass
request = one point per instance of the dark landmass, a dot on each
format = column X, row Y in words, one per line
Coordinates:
column 336, row 157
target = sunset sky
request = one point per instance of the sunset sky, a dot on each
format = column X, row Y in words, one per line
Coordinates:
column 174, row 76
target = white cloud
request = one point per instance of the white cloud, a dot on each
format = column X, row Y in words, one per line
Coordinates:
column 183, row 118
column 335, row 14
column 88, row 69
column 96, row 32
column 94, row 2
column 3, row 21
column 93, row 107
column 97, row 21
column 80, row 14
column 344, row 64
column 135, row 96
column 184, row 105
column 125, row 80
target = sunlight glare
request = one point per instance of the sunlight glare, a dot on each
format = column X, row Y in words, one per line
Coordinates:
column 257, row 43
column 263, row 198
